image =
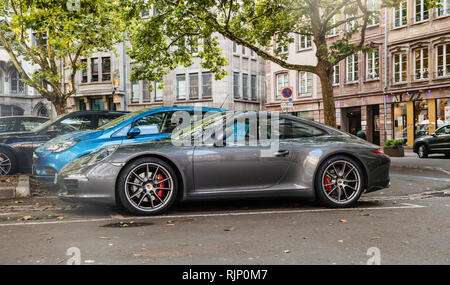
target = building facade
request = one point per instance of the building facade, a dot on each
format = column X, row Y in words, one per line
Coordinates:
column 402, row 93
column 105, row 83
column 16, row 98
column 358, row 83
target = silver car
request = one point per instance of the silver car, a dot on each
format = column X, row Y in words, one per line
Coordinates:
column 291, row 157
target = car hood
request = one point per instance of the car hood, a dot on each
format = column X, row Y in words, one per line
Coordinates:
column 80, row 135
column 422, row 138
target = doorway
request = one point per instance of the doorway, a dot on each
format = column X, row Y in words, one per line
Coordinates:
column 352, row 120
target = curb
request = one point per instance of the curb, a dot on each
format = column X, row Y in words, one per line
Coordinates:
column 422, row 167
column 22, row 190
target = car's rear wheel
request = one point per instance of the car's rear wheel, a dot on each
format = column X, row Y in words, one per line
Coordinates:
column 8, row 162
column 147, row 186
column 339, row 182
column 422, row 152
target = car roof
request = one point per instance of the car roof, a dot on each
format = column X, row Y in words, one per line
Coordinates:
column 24, row 117
column 98, row 112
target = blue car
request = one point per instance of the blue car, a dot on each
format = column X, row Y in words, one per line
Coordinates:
column 140, row 126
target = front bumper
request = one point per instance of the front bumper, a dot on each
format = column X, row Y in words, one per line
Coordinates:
column 46, row 164
column 96, row 184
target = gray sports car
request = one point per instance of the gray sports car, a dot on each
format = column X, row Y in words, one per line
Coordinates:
column 246, row 155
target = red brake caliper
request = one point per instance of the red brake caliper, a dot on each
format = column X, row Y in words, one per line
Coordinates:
column 161, row 185
column 326, row 181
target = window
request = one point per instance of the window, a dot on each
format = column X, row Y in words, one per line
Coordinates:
column 374, row 7
column 304, row 42
column 17, row 86
column 280, row 49
column 305, row 81
column 243, row 50
column 421, row 63
column 245, row 86
column 111, row 107
column 193, row 44
column 145, row 91
column 158, row 93
column 400, row 15
column 372, row 65
column 445, row 10
column 443, row 60
column 350, row 25
column 254, row 97
column 290, row 129
column 333, row 31
column 36, row 39
column 106, row 68
column 352, row 68
column 145, row 13
column 82, row 105
column 75, row 123
column 193, row 86
column 150, row 125
column 84, row 71
column 181, row 87
column 206, row 84
column 236, row 86
column 94, row 69
column 336, row 74
column 135, row 91
column 421, row 11
column 399, row 64
column 282, row 82
column 235, row 48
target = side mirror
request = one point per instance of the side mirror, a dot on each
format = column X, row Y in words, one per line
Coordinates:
column 434, row 135
column 220, row 142
column 134, row 131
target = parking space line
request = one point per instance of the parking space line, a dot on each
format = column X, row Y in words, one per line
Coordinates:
column 421, row 177
column 228, row 214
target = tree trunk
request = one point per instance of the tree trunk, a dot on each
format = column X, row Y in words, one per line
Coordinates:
column 329, row 108
column 60, row 104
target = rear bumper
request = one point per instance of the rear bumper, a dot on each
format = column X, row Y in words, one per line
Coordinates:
column 379, row 174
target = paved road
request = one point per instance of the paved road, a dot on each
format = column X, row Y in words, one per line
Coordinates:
column 411, row 160
column 408, row 223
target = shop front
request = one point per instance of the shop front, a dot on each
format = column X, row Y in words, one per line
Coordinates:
column 416, row 115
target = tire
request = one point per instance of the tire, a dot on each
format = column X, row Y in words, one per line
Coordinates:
column 422, row 151
column 8, row 162
column 138, row 192
column 350, row 182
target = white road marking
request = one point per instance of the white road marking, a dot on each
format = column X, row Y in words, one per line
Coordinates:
column 228, row 214
column 421, row 177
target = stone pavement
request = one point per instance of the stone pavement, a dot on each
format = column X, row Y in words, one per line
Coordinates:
column 433, row 162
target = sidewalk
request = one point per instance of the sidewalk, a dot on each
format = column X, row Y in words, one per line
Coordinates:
column 433, row 162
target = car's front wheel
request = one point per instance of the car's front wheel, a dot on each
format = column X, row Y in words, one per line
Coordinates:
column 147, row 186
column 422, row 152
column 8, row 162
column 339, row 182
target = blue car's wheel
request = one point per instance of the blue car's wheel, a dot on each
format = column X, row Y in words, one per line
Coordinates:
column 147, row 186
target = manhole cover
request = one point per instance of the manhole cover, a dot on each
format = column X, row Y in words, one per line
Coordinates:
column 127, row 225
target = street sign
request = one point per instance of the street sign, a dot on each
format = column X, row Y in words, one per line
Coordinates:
column 286, row 93
column 286, row 99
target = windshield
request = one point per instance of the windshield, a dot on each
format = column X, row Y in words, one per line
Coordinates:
column 48, row 123
column 121, row 119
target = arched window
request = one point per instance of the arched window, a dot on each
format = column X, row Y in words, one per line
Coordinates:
column 17, row 86
column 42, row 112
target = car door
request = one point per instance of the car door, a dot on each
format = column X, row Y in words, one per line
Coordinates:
column 440, row 140
column 238, row 165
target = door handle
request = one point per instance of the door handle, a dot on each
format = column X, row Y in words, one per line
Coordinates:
column 281, row 153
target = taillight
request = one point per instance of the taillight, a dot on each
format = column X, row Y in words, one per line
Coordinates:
column 377, row 151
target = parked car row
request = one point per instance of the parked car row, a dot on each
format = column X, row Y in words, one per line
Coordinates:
column 132, row 160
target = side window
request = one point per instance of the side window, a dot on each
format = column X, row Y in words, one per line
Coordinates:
column 150, row 124
column 77, row 123
column 28, row 125
column 169, row 126
column 290, row 129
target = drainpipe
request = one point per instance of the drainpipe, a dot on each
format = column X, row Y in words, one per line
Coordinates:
column 385, row 68
column 124, row 79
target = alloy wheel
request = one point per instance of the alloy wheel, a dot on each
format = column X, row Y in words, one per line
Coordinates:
column 5, row 164
column 149, row 186
column 341, row 181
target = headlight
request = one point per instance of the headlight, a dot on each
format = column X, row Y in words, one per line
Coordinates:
column 61, row 146
column 90, row 159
